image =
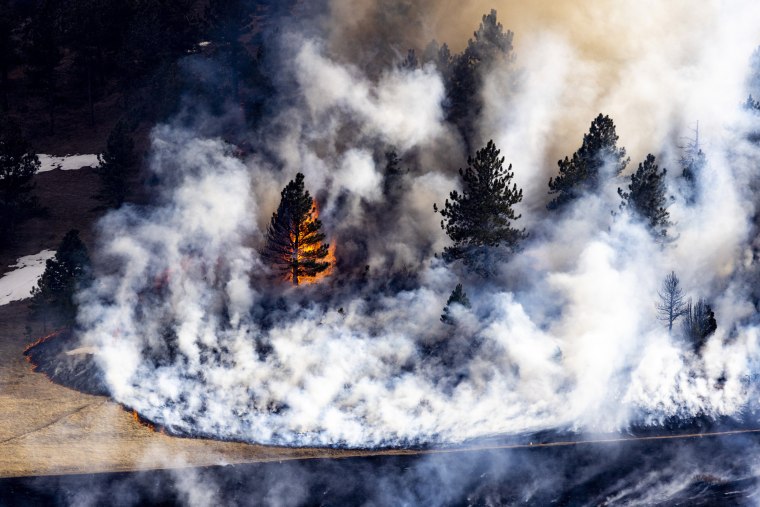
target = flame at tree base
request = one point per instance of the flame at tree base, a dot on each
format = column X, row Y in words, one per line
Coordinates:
column 330, row 259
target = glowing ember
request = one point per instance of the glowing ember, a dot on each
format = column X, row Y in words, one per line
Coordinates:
column 306, row 252
column 305, row 249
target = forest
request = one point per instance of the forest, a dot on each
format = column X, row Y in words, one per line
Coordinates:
column 264, row 199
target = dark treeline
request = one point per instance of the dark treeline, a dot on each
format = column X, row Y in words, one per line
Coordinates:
column 73, row 55
column 105, row 71
column 139, row 51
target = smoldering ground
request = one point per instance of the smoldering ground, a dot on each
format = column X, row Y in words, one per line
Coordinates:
column 191, row 331
column 707, row 471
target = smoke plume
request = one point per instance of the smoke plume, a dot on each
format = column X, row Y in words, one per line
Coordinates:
column 193, row 334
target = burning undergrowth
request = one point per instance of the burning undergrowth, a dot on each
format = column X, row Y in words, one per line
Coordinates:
column 194, row 329
column 57, row 357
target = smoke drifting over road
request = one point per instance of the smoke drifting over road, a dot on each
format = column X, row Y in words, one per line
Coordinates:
column 192, row 334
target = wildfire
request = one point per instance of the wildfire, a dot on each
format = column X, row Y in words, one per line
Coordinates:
column 331, row 259
column 304, row 250
column 143, row 422
column 42, row 340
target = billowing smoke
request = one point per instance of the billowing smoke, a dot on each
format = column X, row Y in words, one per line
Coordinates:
column 193, row 334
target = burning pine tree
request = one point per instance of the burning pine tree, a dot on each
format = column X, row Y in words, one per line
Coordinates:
column 294, row 242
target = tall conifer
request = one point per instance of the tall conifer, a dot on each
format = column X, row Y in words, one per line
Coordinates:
column 480, row 218
column 294, row 242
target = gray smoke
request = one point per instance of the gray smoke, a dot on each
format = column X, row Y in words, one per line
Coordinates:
column 191, row 333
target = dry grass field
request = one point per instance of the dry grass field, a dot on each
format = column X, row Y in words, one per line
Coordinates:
column 46, row 428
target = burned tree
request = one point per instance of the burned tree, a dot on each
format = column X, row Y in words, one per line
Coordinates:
column 646, row 197
column 581, row 172
column 294, row 244
column 698, row 324
column 671, row 305
column 479, row 220
column 693, row 161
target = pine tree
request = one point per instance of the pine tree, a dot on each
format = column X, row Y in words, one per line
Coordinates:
column 457, row 297
column 115, row 165
column 7, row 49
column 671, row 305
column 480, row 218
column 44, row 53
column 646, row 197
column 699, row 323
column 92, row 29
column 440, row 56
column 393, row 178
column 751, row 104
column 692, row 160
column 294, row 242
column 465, row 77
column 581, row 172
column 18, row 165
column 64, row 274
column 410, row 62
column 230, row 21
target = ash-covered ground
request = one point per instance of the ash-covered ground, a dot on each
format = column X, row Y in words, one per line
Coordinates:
column 705, row 471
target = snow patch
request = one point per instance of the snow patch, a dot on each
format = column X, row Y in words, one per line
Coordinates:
column 67, row 162
column 18, row 284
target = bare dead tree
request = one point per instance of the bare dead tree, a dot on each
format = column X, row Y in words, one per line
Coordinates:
column 672, row 304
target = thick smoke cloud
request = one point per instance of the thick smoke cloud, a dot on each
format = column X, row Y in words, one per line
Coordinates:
column 192, row 333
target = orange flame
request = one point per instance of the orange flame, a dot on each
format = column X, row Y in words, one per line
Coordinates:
column 43, row 339
column 314, row 215
column 139, row 420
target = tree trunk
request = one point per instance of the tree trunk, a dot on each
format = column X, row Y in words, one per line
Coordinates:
column 89, row 93
column 295, row 261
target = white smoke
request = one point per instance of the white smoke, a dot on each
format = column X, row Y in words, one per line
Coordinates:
column 191, row 335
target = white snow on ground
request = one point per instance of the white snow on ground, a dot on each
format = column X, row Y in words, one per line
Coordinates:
column 67, row 162
column 18, row 284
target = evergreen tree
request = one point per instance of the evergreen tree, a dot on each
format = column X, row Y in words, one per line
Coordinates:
column 410, row 62
column 64, row 274
column 7, row 49
column 115, row 165
column 692, row 160
column 294, row 241
column 699, row 324
column 440, row 56
column 465, row 77
column 230, row 21
column 393, row 185
column 751, row 104
column 581, row 172
column 480, row 218
column 646, row 197
column 43, row 38
column 457, row 297
column 92, row 30
column 671, row 305
column 18, row 165
column 753, row 77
